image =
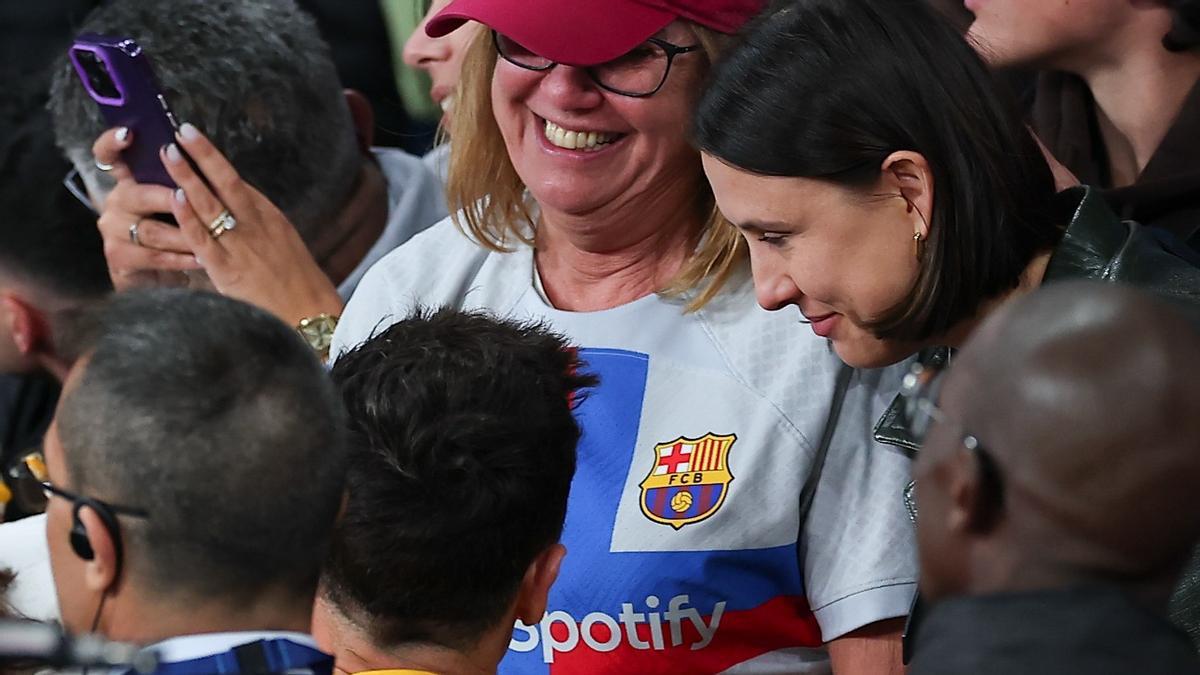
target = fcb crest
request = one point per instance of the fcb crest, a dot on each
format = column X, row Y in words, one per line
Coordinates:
column 688, row 480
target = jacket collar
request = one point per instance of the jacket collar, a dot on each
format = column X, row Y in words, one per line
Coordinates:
column 892, row 427
column 1166, row 194
column 1094, row 240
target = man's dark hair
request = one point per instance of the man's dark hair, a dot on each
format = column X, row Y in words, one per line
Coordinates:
column 254, row 75
column 47, row 237
column 462, row 449
column 827, row 89
column 217, row 420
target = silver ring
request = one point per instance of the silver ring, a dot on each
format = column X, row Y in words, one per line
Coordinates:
column 102, row 166
column 133, row 233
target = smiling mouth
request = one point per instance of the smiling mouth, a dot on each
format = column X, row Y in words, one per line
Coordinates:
column 815, row 319
column 570, row 139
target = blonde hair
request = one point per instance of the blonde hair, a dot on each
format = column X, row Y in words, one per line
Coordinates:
column 489, row 202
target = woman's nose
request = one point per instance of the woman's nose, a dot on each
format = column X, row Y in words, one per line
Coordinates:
column 420, row 50
column 773, row 288
column 570, row 88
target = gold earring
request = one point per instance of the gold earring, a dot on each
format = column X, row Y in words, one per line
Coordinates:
column 918, row 245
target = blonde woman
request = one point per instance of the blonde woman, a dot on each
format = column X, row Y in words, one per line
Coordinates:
column 729, row 508
column 441, row 59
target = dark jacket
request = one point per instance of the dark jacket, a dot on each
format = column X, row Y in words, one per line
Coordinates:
column 1099, row 245
column 1092, row 630
column 1166, row 194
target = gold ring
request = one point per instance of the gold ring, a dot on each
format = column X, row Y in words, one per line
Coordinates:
column 222, row 224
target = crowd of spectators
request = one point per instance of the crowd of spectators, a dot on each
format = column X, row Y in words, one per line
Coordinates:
column 794, row 336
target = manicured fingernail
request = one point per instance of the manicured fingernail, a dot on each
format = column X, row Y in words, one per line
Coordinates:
column 173, row 153
column 180, row 196
column 189, row 132
column 123, row 134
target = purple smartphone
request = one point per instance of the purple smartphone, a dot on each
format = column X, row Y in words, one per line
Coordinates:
column 116, row 73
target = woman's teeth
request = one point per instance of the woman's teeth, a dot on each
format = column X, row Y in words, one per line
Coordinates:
column 577, row 140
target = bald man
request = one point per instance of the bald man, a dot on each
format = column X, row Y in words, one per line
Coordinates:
column 1058, row 486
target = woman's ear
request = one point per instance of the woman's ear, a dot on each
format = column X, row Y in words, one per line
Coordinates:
column 908, row 174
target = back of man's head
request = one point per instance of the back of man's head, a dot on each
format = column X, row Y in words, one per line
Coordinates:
column 51, row 256
column 218, row 422
column 462, row 449
column 254, row 75
column 48, row 238
column 1084, row 397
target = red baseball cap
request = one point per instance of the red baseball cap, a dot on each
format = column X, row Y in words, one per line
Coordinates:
column 588, row 32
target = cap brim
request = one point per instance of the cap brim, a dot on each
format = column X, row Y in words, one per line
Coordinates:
column 575, row 33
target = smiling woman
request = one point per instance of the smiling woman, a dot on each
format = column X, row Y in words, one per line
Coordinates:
column 581, row 203
column 894, row 216
column 892, row 192
column 513, row 165
column 886, row 188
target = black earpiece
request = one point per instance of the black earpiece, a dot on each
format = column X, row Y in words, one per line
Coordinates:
column 79, row 536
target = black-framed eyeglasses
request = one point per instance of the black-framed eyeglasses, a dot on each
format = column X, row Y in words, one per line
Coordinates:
column 52, row 490
column 74, row 184
column 920, row 390
column 639, row 73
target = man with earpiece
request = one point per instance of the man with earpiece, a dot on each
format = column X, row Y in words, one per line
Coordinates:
column 195, row 468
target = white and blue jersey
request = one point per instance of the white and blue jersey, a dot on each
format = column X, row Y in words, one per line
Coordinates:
column 684, row 548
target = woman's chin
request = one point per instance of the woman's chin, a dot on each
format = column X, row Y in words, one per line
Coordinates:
column 870, row 352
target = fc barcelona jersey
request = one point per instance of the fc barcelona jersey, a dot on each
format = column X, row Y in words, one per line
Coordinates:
column 685, row 551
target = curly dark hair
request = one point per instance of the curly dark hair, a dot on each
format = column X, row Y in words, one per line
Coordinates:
column 462, row 450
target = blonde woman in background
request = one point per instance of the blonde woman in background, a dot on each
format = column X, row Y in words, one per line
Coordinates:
column 441, row 60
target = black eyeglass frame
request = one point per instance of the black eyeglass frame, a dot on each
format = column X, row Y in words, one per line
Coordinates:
column 920, row 389
column 672, row 50
column 76, row 498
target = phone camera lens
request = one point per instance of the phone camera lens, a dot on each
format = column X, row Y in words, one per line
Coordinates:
column 97, row 74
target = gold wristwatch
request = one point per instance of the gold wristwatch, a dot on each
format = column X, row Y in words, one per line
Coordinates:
column 317, row 331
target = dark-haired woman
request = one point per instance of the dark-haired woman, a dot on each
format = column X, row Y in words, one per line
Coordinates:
column 1118, row 97
column 886, row 191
